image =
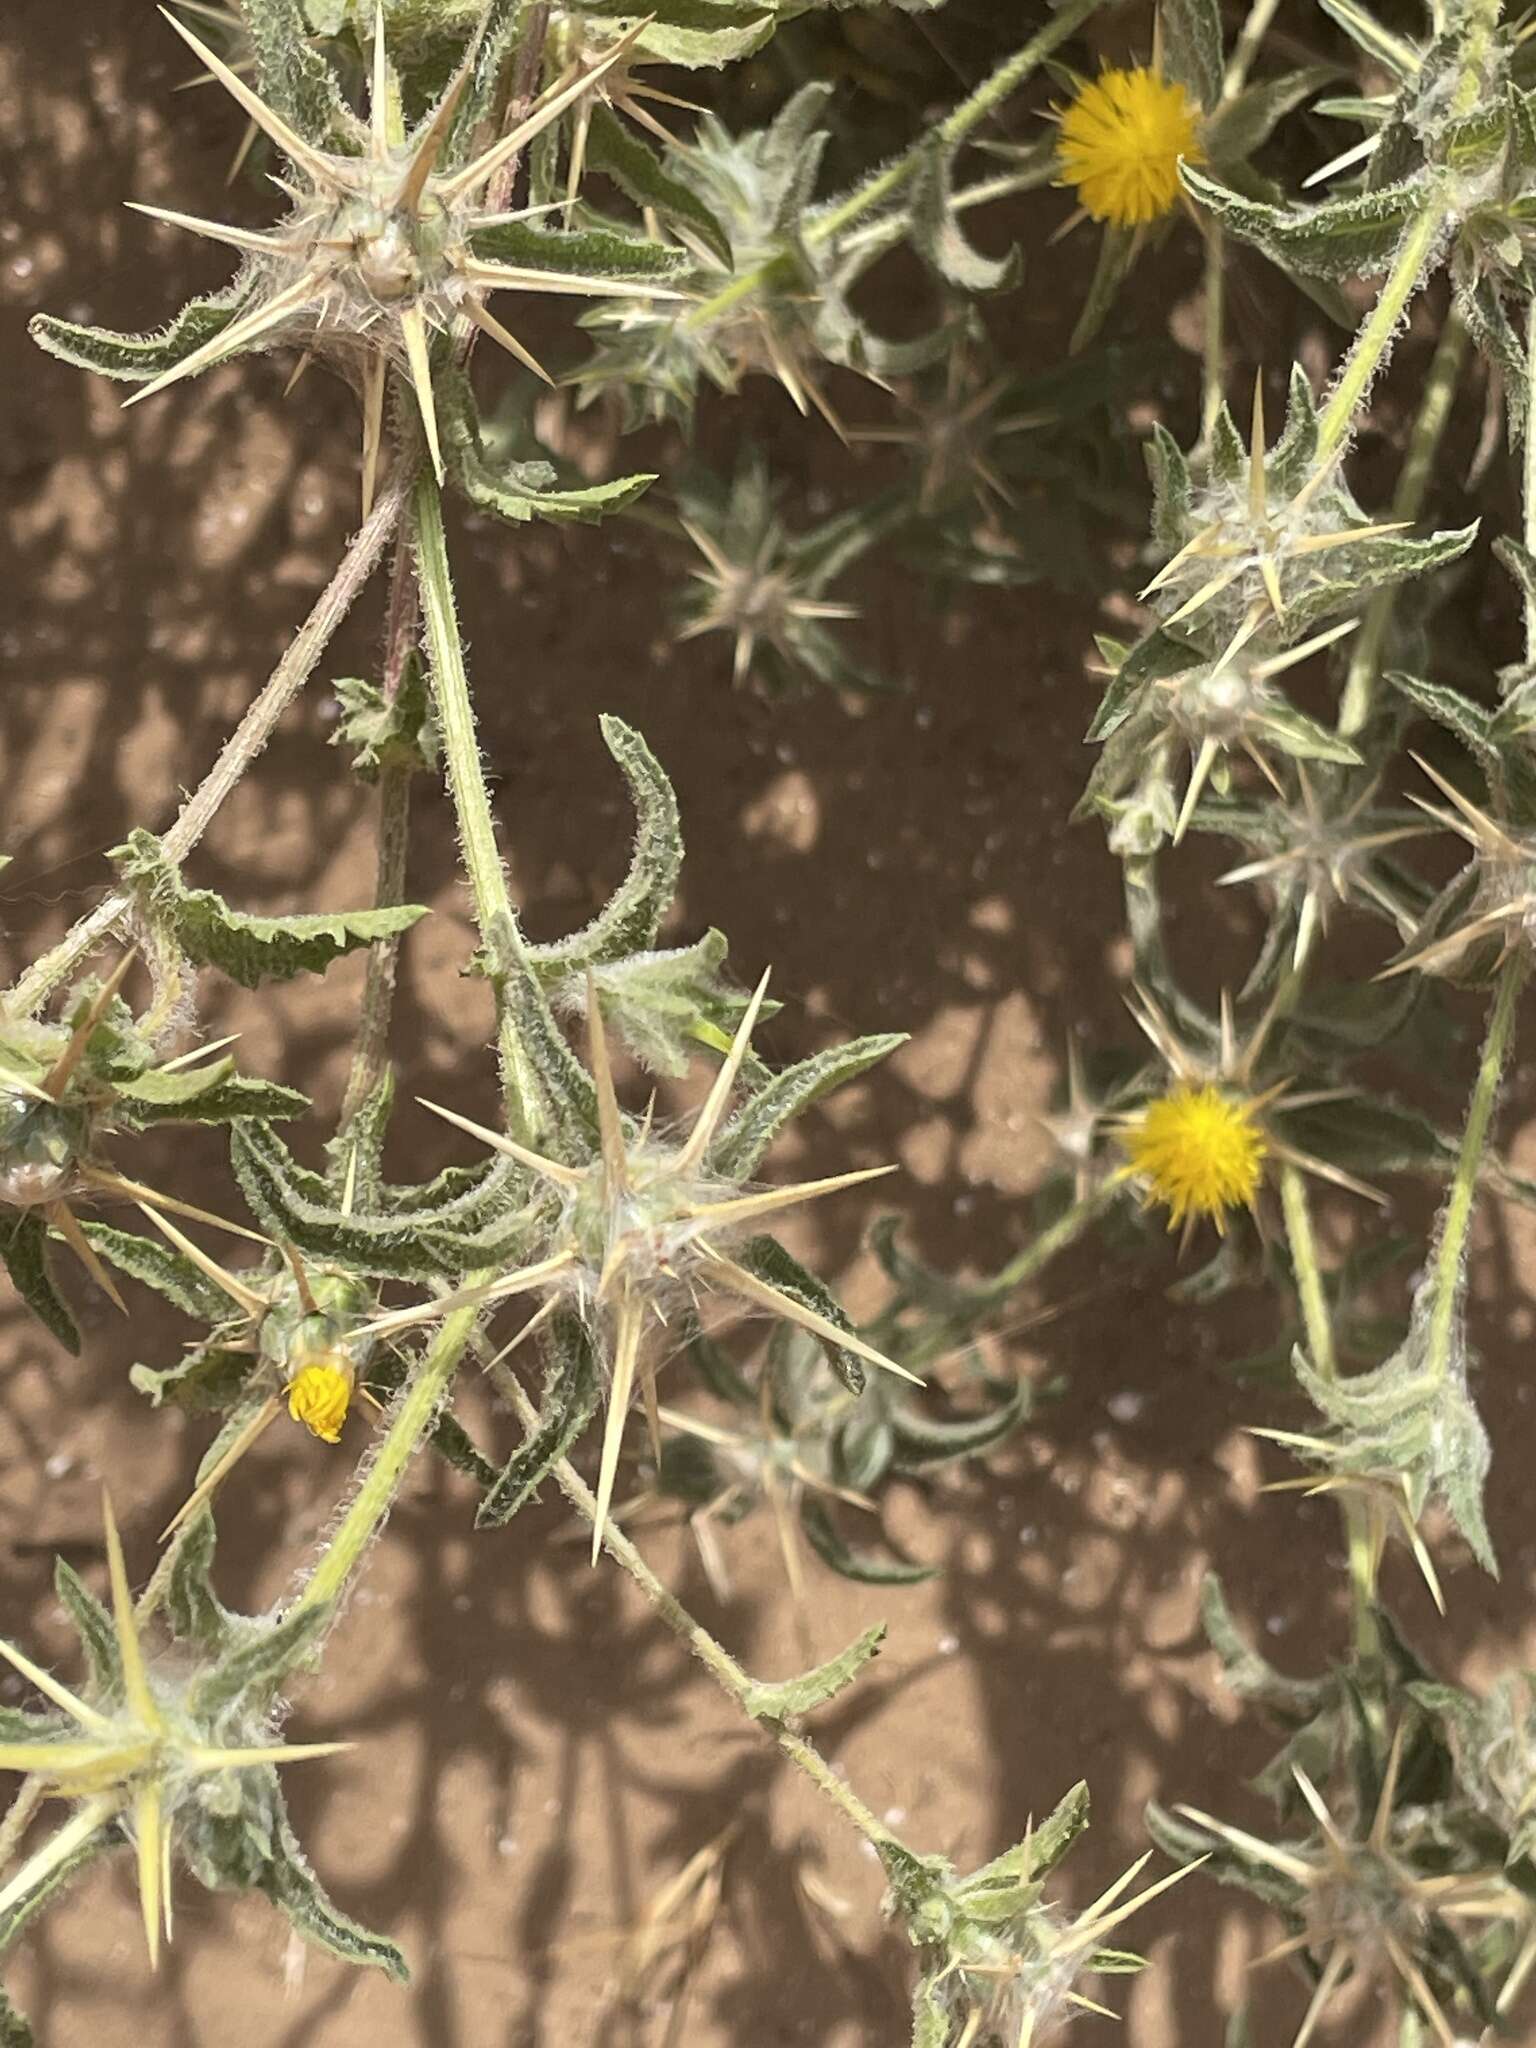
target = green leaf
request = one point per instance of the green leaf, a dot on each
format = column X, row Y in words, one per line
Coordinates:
column 938, row 236
column 1192, row 52
column 579, row 252
column 250, row 950
column 767, row 1258
column 1041, row 1849
column 1448, row 707
column 135, row 358
column 292, row 1885
column 794, row 1696
column 259, row 1665
column 209, row 1094
column 160, row 1266
column 741, row 1145
column 924, row 1443
column 24, row 1250
column 643, row 177
column 518, row 491
column 1303, row 738
column 862, row 1566
column 93, row 1625
column 631, row 918
column 292, row 77
column 1353, row 237
column 193, row 1610
column 209, row 1376
column 566, row 1406
column 399, row 732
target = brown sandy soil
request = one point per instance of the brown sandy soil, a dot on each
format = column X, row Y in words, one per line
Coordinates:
column 536, row 1756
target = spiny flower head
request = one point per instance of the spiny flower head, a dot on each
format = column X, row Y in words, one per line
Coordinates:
column 170, row 1755
column 1001, row 1963
column 386, row 246
column 1365, row 1897
column 1121, row 141
column 1487, row 911
column 1270, row 537
column 765, row 587
column 637, row 1231
column 1201, row 1143
column 1200, row 1151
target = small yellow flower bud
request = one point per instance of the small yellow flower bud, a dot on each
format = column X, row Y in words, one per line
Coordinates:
column 320, row 1394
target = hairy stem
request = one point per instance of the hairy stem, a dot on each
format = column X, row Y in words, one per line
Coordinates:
column 717, row 1660
column 1528, row 473
column 239, row 750
column 1370, row 346
column 375, row 1496
column 1363, row 1552
column 1451, row 1244
column 370, row 1054
column 1407, row 502
column 493, row 912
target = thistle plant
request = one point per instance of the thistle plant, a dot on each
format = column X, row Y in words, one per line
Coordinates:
column 1278, row 675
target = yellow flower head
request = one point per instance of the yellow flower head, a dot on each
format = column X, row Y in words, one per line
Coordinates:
column 1121, row 140
column 1200, row 1151
column 320, row 1394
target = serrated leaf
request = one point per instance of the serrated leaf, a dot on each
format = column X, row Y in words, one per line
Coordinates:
column 518, row 491
column 251, row 950
column 1042, row 1848
column 24, row 1250
column 210, row 1376
column 1353, row 237
column 93, row 1624
column 924, row 1443
column 741, row 1145
column 210, row 1094
column 261, row 1663
column 398, row 732
column 193, row 1611
column 160, row 1266
column 631, row 918
column 135, row 358
column 938, row 236
column 292, row 77
column 643, row 177
column 1304, row 738
column 814, row 1688
column 292, row 1885
column 864, row 1567
column 584, row 252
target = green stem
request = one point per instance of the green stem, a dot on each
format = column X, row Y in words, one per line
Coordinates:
column 1528, row 472
column 1214, row 368
column 1319, row 1328
column 238, row 751
column 1407, row 503
column 717, row 1660
column 370, row 1052
column 1450, row 1247
column 951, row 131
column 466, row 781
column 381, row 1481
column 1309, row 1280
column 1375, row 338
column 1040, row 1250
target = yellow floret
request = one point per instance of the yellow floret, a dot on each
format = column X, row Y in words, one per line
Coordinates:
column 1121, row 140
column 1200, row 1151
column 320, row 1395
